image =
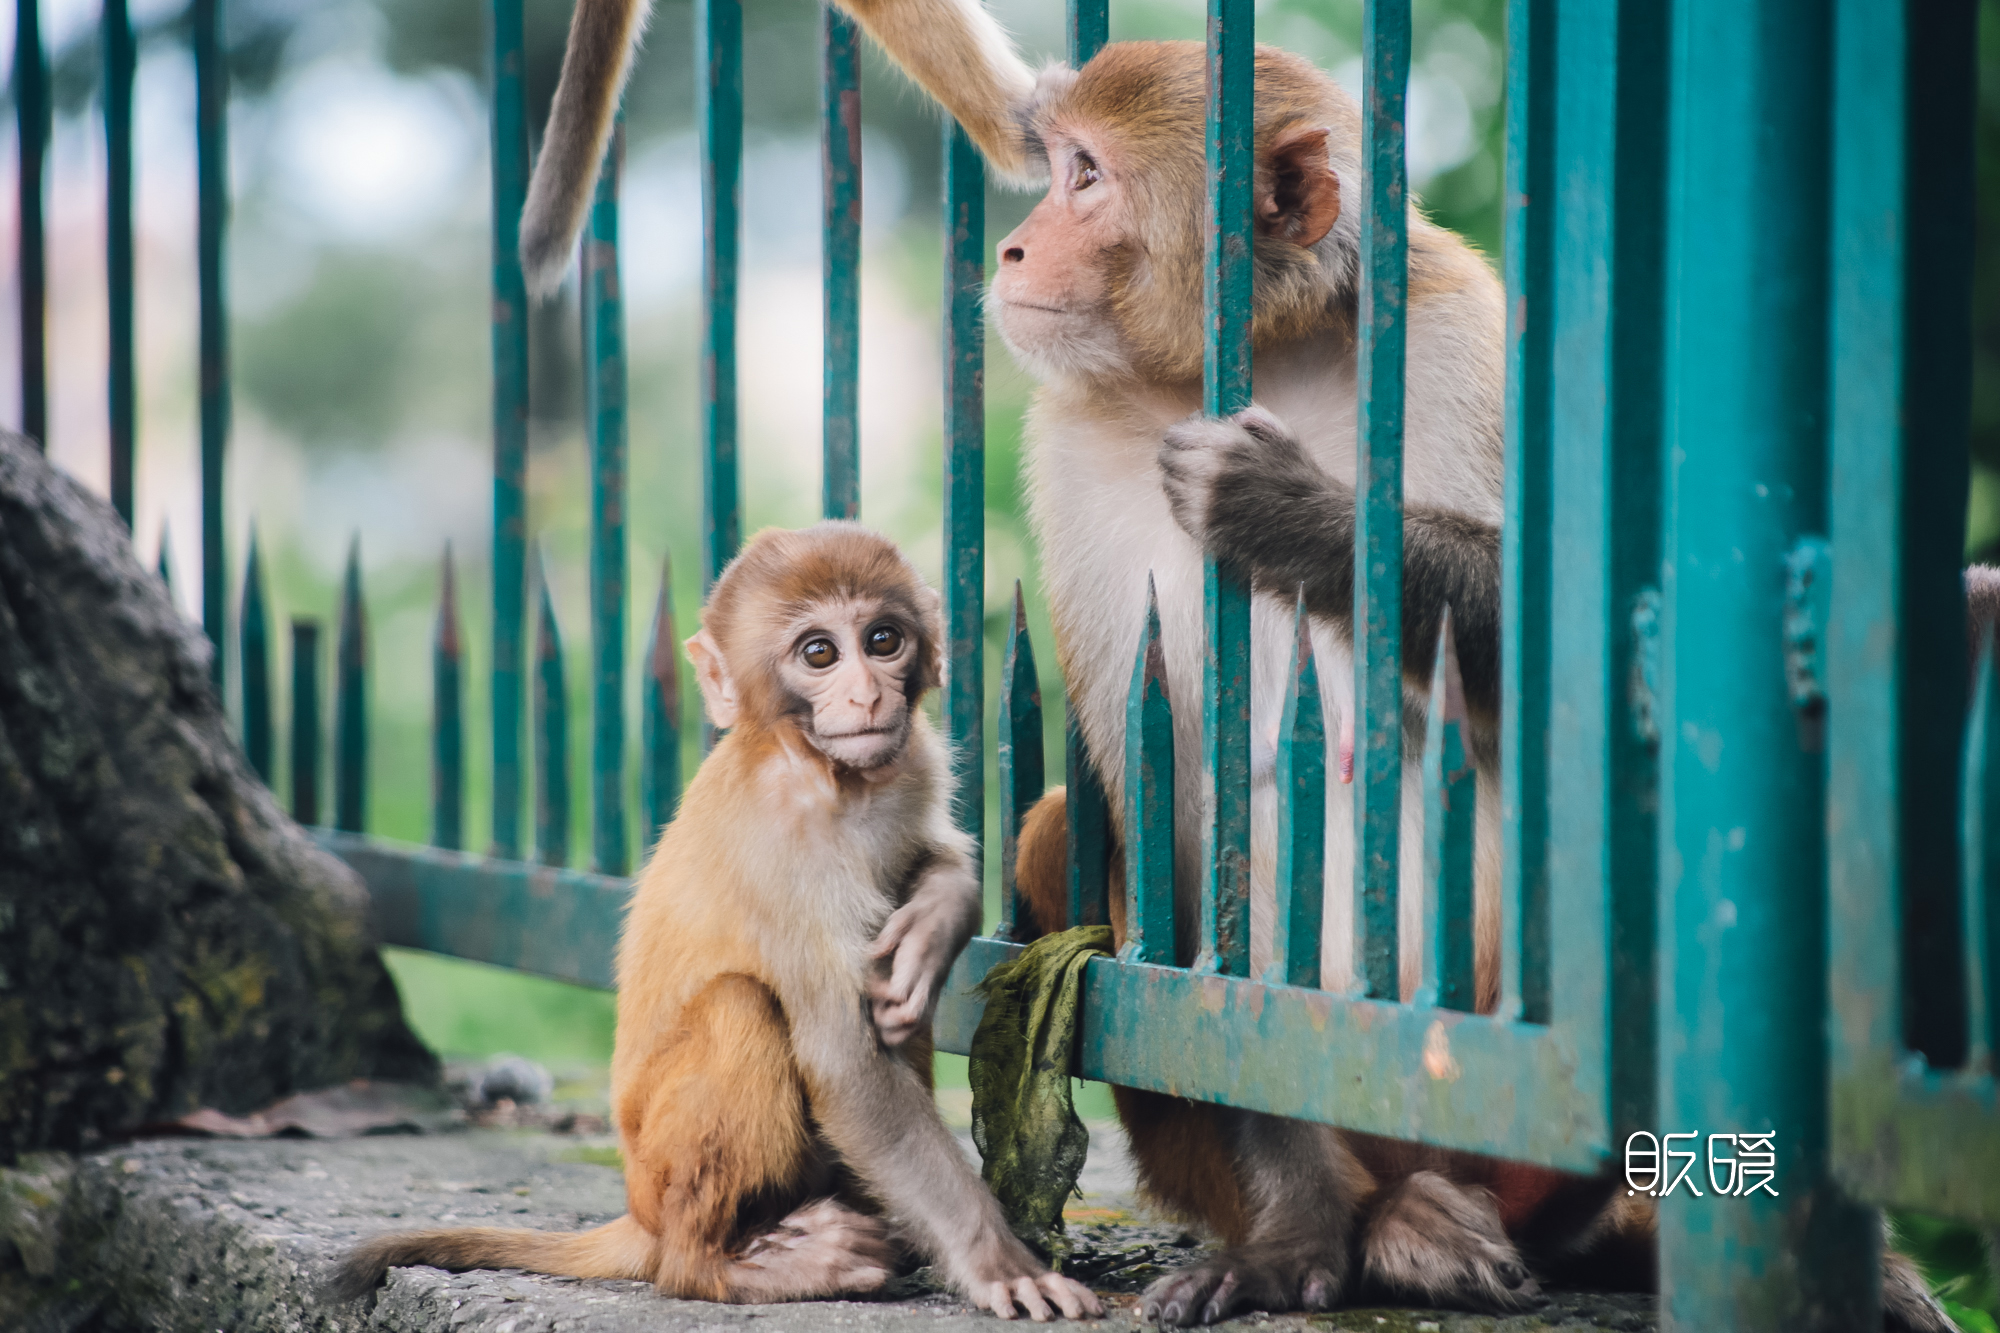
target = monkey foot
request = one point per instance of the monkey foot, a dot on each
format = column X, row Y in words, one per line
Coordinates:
column 821, row 1249
column 1261, row 1276
column 1434, row 1242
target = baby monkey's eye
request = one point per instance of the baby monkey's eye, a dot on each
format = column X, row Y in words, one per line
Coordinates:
column 820, row 653
column 1086, row 172
column 885, row 641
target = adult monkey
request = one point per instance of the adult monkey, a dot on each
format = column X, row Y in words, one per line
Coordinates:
column 1099, row 291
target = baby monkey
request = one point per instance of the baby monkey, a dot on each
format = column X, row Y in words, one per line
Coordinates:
column 779, row 968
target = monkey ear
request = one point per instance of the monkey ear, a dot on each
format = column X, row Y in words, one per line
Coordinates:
column 933, row 609
column 1298, row 194
column 718, row 691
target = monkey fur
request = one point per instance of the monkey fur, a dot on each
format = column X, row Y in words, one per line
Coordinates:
column 1099, row 294
column 776, row 1147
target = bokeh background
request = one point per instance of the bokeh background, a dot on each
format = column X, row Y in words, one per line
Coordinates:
column 358, row 285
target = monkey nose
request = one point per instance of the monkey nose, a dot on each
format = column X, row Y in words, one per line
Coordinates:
column 1012, row 254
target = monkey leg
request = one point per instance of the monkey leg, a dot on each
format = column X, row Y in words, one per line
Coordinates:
column 1288, row 1214
column 1041, row 866
column 721, row 1142
column 1434, row 1242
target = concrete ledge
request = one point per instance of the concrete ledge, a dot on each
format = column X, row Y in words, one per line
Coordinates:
column 195, row 1236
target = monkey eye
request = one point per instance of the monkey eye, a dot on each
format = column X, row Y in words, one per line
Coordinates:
column 885, row 641
column 820, row 653
column 1086, row 172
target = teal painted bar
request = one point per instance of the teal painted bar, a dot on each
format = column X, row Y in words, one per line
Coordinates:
column 31, row 122
column 840, row 259
column 122, row 389
column 555, row 923
column 1463, row 1081
column 1378, row 510
column 1525, row 544
column 1451, row 793
column 718, row 34
column 350, row 703
column 1225, row 686
column 1149, row 800
column 1743, row 961
column 162, row 562
column 1603, row 290
column 965, row 477
column 1981, row 897
column 551, row 721
column 604, row 410
column 509, row 128
column 211, row 95
column 253, row 645
column 1301, row 782
column 447, row 718
column 1086, row 828
column 1088, row 26
column 307, row 714
column 1905, row 1130
column 660, row 715
column 1021, row 771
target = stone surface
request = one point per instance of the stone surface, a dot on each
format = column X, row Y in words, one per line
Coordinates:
column 169, row 940
column 200, row 1236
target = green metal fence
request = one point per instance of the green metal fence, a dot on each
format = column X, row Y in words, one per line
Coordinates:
column 1737, row 896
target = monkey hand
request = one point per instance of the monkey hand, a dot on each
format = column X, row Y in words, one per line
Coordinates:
column 916, row 949
column 1228, row 477
column 1035, row 1293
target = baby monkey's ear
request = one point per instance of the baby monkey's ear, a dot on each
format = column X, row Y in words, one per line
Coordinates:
column 718, row 691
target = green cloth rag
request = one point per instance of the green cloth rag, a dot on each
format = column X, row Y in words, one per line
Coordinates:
column 1022, row 1118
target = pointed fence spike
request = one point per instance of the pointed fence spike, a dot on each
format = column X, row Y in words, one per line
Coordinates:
column 350, row 703
column 1450, row 795
column 660, row 713
column 307, row 736
column 1149, row 800
column 1021, row 760
column 1981, row 862
column 163, row 562
column 254, row 647
column 448, row 717
column 1301, row 782
column 551, row 729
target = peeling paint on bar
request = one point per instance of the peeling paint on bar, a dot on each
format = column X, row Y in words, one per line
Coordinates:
column 840, row 259
column 509, row 157
column 604, row 413
column 965, row 478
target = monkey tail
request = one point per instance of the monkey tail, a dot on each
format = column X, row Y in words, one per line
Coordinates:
column 602, row 35
column 621, row 1249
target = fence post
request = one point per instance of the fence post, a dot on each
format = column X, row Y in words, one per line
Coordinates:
column 1743, row 919
column 306, row 721
column 840, row 259
column 31, row 110
column 510, row 422
column 965, row 477
column 448, row 718
column 119, row 58
column 718, row 35
column 604, row 408
column 211, row 82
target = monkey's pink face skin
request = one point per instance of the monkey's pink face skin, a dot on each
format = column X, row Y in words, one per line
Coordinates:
column 848, row 666
column 1051, row 296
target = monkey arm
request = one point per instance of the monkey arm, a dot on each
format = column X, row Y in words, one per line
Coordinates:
column 955, row 51
column 1245, row 489
column 923, row 937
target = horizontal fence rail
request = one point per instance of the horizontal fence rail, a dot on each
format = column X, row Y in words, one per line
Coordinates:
column 1718, row 787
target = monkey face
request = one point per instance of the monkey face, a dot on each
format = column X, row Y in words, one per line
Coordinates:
column 1051, row 297
column 847, row 671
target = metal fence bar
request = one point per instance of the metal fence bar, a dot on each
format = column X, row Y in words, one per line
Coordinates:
column 350, row 704
column 1982, row 864
column 1149, row 800
column 122, row 390
column 1301, row 782
column 211, row 84
column 163, row 563
column 1086, row 828
column 965, row 476
column 1528, row 207
column 509, row 148
column 1451, row 791
column 31, row 113
column 1225, row 708
column 1089, row 27
column 840, row 258
column 306, row 740
column 604, row 408
column 1020, row 760
column 660, row 715
column 718, row 35
column 1906, row 1131
column 1743, row 800
column 447, row 718
column 254, row 649
column 1378, row 511
column 551, row 712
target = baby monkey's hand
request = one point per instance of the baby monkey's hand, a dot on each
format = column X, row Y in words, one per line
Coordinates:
column 915, row 950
